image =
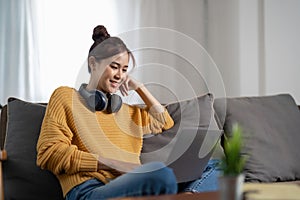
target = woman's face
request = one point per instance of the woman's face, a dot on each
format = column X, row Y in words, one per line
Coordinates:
column 114, row 73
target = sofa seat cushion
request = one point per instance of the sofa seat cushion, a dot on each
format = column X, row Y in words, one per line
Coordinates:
column 271, row 127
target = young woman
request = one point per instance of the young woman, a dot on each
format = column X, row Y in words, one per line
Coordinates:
column 92, row 141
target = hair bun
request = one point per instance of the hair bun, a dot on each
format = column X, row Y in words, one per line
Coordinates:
column 100, row 33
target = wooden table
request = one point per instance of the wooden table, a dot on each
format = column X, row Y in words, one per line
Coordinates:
column 202, row 196
column 274, row 191
column 253, row 191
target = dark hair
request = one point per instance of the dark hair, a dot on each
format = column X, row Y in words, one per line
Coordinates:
column 105, row 46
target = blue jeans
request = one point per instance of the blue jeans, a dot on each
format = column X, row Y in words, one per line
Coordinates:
column 149, row 179
column 207, row 182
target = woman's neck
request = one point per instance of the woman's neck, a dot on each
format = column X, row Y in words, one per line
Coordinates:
column 92, row 85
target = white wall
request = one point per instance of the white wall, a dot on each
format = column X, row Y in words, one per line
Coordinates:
column 282, row 47
column 256, row 45
column 249, row 48
column 223, row 41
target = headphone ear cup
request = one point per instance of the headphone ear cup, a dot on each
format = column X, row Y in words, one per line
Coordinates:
column 114, row 103
column 98, row 101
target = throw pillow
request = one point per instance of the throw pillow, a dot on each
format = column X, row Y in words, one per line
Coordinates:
column 22, row 178
column 271, row 126
column 196, row 112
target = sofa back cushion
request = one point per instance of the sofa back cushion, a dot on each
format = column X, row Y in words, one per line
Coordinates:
column 22, row 178
column 271, row 126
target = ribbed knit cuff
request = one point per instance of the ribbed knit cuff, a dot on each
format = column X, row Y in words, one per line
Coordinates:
column 89, row 162
column 163, row 121
column 169, row 122
column 157, row 109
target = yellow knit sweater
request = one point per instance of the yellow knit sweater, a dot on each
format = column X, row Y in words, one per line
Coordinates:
column 72, row 137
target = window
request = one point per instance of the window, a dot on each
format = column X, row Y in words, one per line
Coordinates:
column 65, row 36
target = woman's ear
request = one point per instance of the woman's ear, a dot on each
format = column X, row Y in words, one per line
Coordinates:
column 92, row 63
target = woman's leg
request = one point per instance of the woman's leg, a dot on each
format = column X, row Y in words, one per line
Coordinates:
column 207, row 182
column 149, row 179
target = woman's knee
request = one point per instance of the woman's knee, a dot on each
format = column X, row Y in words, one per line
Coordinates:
column 161, row 175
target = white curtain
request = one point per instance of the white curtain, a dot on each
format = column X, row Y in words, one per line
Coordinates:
column 19, row 59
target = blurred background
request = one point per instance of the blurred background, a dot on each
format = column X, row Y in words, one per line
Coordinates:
column 184, row 48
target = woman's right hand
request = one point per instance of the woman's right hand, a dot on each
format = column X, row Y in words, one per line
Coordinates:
column 129, row 84
column 115, row 165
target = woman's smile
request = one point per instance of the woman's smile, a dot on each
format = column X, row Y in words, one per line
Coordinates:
column 114, row 84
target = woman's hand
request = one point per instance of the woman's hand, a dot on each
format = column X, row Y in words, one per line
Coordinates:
column 115, row 165
column 129, row 84
column 132, row 84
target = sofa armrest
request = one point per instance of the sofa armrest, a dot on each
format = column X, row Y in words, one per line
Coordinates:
column 3, row 157
column 3, row 154
column 3, row 124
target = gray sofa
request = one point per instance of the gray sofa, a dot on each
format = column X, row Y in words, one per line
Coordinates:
column 271, row 127
column 271, row 133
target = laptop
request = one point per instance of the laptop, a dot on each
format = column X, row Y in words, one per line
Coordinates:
column 188, row 152
column 192, row 148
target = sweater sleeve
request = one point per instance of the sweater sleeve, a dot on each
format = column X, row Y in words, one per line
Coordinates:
column 55, row 150
column 156, row 122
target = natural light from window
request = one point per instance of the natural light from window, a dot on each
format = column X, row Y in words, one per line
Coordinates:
column 65, row 36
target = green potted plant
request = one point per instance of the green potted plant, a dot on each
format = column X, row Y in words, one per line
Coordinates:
column 232, row 165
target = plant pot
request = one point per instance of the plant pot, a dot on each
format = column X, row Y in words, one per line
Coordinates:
column 231, row 187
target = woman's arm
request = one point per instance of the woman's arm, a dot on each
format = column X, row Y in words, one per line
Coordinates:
column 55, row 150
column 56, row 153
column 116, row 166
column 159, row 118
